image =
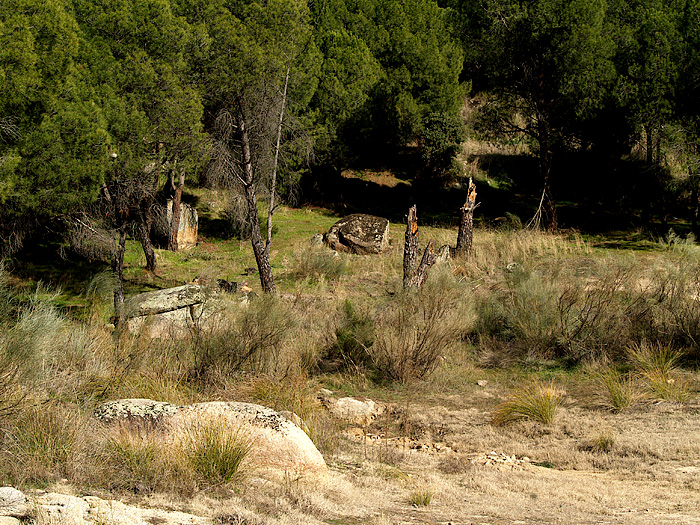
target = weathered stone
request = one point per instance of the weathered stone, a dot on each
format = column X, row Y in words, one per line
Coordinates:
column 134, row 409
column 13, row 503
column 168, row 312
column 354, row 411
column 167, row 300
column 189, row 221
column 359, row 233
column 7, row 520
column 72, row 510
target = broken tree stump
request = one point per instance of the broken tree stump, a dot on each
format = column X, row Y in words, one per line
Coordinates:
column 410, row 248
column 415, row 277
column 465, row 235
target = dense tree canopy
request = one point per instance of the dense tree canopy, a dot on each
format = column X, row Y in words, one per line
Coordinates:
column 98, row 93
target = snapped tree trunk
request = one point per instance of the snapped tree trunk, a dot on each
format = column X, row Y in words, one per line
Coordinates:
column 415, row 277
column 410, row 249
column 177, row 202
column 262, row 255
column 118, row 274
column 465, row 235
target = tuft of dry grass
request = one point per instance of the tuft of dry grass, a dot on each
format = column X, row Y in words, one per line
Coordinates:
column 619, row 391
column 215, row 450
column 657, row 365
column 421, row 496
column 536, row 402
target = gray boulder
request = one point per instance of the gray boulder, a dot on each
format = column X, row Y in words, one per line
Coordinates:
column 165, row 312
column 359, row 233
column 188, row 227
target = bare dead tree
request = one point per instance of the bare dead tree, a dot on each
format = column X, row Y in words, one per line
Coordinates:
column 465, row 234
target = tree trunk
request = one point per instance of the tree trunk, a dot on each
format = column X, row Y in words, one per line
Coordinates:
column 273, row 185
column 421, row 274
column 549, row 210
column 262, row 254
column 694, row 201
column 177, row 200
column 118, row 274
column 465, row 234
column 143, row 230
column 410, row 249
column 650, row 146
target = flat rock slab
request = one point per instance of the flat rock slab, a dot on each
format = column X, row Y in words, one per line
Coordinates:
column 167, row 300
column 73, row 510
column 134, row 410
column 360, row 234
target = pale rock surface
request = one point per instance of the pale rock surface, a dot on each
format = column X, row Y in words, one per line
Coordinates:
column 353, row 411
column 6, row 520
column 165, row 312
column 359, row 233
column 13, row 503
column 134, row 409
column 62, row 509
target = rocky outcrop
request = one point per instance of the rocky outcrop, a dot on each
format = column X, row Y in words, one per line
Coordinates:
column 189, row 223
column 359, row 233
column 279, row 446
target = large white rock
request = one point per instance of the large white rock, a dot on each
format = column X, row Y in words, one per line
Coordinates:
column 279, row 446
column 354, row 411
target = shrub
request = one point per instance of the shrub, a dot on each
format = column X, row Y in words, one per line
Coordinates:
column 354, row 334
column 421, row 496
column 414, row 331
column 318, row 264
column 253, row 340
column 215, row 450
column 657, row 365
column 535, row 402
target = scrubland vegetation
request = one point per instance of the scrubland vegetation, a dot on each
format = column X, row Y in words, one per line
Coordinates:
column 584, row 350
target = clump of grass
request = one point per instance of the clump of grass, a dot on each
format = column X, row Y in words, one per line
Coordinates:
column 40, row 444
column 216, row 450
column 657, row 364
column 421, row 496
column 619, row 390
column 535, row 402
column 602, row 443
column 318, row 264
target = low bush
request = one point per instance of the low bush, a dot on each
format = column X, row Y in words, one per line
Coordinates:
column 656, row 364
column 318, row 264
column 414, row 331
column 252, row 340
column 40, row 444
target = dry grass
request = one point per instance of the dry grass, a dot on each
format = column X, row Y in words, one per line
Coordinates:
column 657, row 364
column 536, row 402
column 619, row 390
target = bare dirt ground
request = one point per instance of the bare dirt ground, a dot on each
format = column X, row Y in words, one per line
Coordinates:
column 476, row 473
